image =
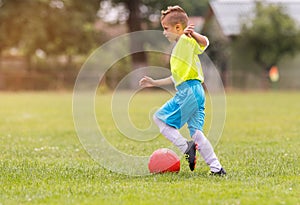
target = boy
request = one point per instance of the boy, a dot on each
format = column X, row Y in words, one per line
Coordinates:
column 187, row 106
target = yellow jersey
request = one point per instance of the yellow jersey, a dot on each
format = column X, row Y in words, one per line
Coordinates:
column 185, row 63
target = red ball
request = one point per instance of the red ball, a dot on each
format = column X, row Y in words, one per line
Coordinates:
column 164, row 160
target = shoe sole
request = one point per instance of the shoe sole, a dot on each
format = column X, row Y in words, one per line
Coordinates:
column 195, row 161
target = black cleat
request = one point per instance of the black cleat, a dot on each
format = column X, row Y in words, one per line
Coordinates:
column 190, row 154
column 221, row 173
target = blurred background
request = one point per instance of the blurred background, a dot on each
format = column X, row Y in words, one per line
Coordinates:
column 44, row 43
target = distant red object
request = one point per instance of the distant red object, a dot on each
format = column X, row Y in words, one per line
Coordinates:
column 164, row 160
column 274, row 74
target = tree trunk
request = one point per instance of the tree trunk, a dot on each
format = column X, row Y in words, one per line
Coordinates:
column 224, row 73
column 1, row 77
column 138, row 59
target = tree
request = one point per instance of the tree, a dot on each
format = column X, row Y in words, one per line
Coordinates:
column 54, row 26
column 270, row 35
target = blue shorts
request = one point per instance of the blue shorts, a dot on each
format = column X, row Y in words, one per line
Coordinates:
column 187, row 106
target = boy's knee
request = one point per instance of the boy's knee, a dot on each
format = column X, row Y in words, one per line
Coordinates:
column 161, row 125
column 155, row 119
column 198, row 136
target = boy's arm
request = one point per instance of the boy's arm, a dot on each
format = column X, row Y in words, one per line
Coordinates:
column 201, row 40
column 149, row 82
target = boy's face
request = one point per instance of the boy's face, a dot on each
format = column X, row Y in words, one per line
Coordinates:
column 171, row 32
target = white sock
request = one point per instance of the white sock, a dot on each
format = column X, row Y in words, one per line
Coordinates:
column 172, row 134
column 207, row 151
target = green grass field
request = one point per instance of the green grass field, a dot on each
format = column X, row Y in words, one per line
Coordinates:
column 43, row 162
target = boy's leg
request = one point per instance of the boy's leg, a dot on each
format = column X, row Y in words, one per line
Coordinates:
column 171, row 134
column 207, row 151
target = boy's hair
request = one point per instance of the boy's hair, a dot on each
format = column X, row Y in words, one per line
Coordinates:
column 176, row 15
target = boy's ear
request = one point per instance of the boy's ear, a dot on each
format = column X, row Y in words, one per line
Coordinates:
column 178, row 27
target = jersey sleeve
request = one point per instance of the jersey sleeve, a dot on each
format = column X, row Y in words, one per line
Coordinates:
column 200, row 48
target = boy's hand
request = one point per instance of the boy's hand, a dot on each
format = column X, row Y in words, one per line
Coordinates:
column 146, row 82
column 189, row 30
